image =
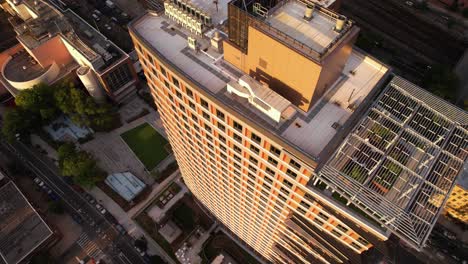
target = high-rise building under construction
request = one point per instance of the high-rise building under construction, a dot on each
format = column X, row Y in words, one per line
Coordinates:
column 305, row 148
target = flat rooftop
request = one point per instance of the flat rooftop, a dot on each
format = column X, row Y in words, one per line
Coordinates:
column 317, row 33
column 83, row 37
column 218, row 13
column 22, row 230
column 308, row 132
column 22, row 67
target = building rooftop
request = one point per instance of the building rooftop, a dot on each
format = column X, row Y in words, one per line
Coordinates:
column 308, row 132
column 125, row 184
column 22, row 67
column 317, row 33
column 48, row 22
column 22, row 230
column 402, row 159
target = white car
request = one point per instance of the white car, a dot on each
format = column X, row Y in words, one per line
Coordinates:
column 103, row 211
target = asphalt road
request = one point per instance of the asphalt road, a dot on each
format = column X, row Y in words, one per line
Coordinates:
column 98, row 228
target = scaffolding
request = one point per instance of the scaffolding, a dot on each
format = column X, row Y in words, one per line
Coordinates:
column 401, row 161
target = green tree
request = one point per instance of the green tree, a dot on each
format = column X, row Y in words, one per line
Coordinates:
column 80, row 165
column 39, row 99
column 62, row 97
column 19, row 121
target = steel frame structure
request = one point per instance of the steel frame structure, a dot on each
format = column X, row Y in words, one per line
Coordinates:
column 400, row 163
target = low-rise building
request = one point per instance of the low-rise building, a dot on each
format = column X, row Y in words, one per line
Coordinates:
column 22, row 229
column 56, row 44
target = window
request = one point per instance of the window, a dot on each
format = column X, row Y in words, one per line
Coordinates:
column 219, row 114
column 284, row 191
column 324, row 216
column 175, row 82
column 269, row 180
column 237, row 126
column 223, row 148
column 204, row 103
column 221, row 126
column 194, row 118
column 342, row 228
column 287, row 183
column 119, row 77
column 275, row 150
column 237, row 158
column 305, row 205
column 256, row 138
column 363, row 241
column 238, row 138
column 163, row 71
column 182, row 108
column 252, row 168
column 318, row 221
column 166, row 84
column 295, row 164
column 192, row 105
column 254, row 149
column 356, row 246
column 207, row 128
column 253, row 160
column 237, row 149
column 272, row 161
column 270, row 171
column 222, row 139
column 237, row 166
column 291, row 173
column 251, row 176
column 179, row 94
column 336, row 233
column 189, row 93
column 206, row 116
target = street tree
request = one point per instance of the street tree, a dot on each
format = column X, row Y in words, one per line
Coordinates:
column 19, row 121
column 39, row 100
column 80, row 165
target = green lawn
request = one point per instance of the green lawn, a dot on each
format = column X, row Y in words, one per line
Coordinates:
column 147, row 144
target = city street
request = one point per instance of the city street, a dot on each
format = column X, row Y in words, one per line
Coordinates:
column 100, row 238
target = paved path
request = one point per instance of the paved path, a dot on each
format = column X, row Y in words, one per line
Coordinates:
column 113, row 153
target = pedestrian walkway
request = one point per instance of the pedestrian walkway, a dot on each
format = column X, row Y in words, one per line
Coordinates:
column 90, row 247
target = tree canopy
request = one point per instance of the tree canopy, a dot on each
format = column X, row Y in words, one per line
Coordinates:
column 19, row 121
column 38, row 100
column 42, row 103
column 80, row 165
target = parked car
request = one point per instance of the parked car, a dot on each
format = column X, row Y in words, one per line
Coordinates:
column 121, row 229
column 89, row 198
column 96, row 17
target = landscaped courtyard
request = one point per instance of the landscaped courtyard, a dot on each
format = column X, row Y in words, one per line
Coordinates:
column 147, row 144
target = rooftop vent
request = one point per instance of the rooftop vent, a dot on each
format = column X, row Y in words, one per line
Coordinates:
column 340, row 22
column 309, row 12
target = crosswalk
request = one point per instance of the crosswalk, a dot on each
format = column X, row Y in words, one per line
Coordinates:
column 90, row 247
